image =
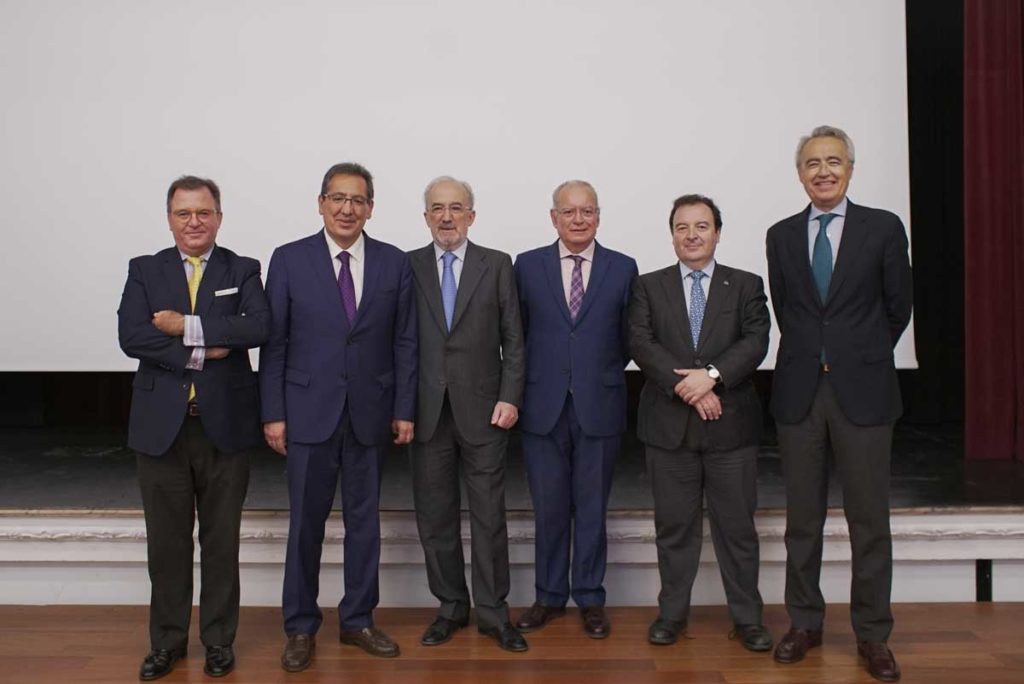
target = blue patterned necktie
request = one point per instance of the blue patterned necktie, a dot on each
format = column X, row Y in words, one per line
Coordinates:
column 821, row 257
column 448, row 288
column 576, row 286
column 697, row 304
column 347, row 287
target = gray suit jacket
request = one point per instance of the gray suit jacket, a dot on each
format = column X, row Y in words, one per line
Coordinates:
column 480, row 362
column 733, row 338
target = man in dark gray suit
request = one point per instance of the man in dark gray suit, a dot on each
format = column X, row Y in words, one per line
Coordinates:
column 835, row 386
column 470, row 387
column 698, row 330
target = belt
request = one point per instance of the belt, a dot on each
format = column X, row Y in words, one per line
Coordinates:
column 193, row 409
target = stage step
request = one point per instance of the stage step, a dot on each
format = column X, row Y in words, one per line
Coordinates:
column 99, row 557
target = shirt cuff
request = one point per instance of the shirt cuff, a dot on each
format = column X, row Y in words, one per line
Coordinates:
column 195, row 362
column 193, row 332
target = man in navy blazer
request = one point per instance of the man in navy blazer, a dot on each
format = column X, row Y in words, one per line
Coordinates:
column 338, row 383
column 188, row 314
column 842, row 292
column 573, row 299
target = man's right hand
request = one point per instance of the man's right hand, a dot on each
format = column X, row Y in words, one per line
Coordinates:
column 274, row 433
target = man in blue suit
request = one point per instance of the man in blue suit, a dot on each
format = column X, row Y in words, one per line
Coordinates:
column 188, row 314
column 573, row 298
column 338, row 382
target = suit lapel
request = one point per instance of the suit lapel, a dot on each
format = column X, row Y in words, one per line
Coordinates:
column 324, row 278
column 672, row 284
column 718, row 293
column 424, row 267
column 472, row 272
column 849, row 248
column 177, row 281
column 797, row 245
column 371, row 278
column 553, row 271
column 598, row 271
column 213, row 274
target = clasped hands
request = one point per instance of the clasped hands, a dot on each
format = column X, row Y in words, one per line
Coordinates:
column 695, row 389
column 172, row 323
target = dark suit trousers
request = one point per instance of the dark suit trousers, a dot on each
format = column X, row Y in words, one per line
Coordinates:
column 191, row 479
column 313, row 472
column 570, row 477
column 680, row 478
column 435, row 473
column 862, row 455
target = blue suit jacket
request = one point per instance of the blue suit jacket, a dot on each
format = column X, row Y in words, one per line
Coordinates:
column 225, row 388
column 314, row 363
column 588, row 356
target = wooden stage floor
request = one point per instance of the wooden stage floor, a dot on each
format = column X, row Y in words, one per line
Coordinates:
column 935, row 643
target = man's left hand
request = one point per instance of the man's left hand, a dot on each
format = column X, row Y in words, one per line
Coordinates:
column 403, row 430
column 169, row 323
column 505, row 415
column 695, row 384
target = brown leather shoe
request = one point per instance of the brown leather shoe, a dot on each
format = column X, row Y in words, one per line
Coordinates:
column 298, row 652
column 795, row 644
column 538, row 615
column 595, row 622
column 881, row 662
column 371, row 640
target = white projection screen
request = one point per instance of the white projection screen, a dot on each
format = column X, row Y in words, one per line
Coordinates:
column 106, row 102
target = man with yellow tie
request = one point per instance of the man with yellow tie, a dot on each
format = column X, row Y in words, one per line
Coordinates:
column 189, row 314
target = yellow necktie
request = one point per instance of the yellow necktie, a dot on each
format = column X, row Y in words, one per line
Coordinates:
column 193, row 290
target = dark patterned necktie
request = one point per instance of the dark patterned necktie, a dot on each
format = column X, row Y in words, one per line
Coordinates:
column 345, row 286
column 576, row 287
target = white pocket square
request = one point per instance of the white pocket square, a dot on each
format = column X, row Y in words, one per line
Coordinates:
column 230, row 290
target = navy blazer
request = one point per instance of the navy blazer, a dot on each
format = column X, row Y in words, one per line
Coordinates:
column 867, row 309
column 225, row 388
column 589, row 356
column 314, row 362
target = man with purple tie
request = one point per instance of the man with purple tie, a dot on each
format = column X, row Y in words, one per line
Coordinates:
column 338, row 383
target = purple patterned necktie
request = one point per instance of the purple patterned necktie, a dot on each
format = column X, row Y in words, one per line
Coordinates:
column 576, row 286
column 345, row 286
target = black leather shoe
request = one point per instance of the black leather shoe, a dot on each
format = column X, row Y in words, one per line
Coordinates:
column 538, row 615
column 664, row 632
column 372, row 640
column 595, row 622
column 298, row 652
column 881, row 662
column 795, row 644
column 220, row 660
column 159, row 662
column 441, row 630
column 507, row 636
column 753, row 637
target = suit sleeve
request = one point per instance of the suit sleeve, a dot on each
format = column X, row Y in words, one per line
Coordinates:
column 513, row 356
column 634, row 274
column 251, row 325
column 524, row 309
column 897, row 283
column 741, row 359
column 405, row 346
column 137, row 335
column 273, row 352
column 654, row 359
column 776, row 279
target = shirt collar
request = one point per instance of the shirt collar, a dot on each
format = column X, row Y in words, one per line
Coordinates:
column 708, row 270
column 587, row 254
column 356, row 251
column 204, row 257
column 838, row 210
column 459, row 252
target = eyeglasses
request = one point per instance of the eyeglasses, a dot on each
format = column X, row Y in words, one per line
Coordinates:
column 456, row 210
column 586, row 212
column 339, row 198
column 203, row 215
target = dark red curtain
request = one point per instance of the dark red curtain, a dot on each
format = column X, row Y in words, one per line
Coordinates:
column 994, row 228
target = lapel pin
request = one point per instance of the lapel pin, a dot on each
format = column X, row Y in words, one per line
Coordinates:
column 725, row 282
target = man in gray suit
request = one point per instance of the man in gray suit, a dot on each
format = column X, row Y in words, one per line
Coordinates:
column 698, row 330
column 470, row 387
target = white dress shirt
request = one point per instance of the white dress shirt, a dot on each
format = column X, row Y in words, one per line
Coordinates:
column 834, row 230
column 568, row 264
column 356, row 261
column 460, row 258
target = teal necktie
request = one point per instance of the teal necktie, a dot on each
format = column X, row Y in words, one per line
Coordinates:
column 821, row 257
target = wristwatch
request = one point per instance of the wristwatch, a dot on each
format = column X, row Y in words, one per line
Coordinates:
column 713, row 373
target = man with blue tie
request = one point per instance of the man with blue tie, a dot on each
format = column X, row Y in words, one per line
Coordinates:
column 573, row 295
column 470, row 388
column 842, row 292
column 698, row 330
column 190, row 314
column 338, row 383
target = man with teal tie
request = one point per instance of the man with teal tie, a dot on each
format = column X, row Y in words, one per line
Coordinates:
column 842, row 293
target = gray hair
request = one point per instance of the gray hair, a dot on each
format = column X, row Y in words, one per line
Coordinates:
column 448, row 179
column 826, row 132
column 569, row 184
